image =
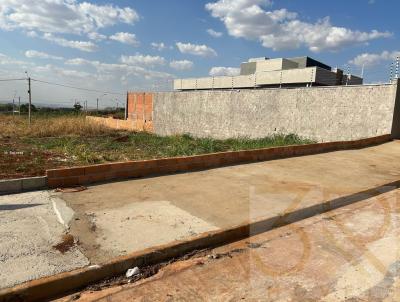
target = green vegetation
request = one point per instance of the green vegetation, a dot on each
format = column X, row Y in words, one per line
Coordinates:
column 70, row 140
column 134, row 146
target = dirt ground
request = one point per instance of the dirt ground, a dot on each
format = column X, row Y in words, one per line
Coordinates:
column 19, row 159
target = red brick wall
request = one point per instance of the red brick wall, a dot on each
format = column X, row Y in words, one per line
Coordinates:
column 140, row 109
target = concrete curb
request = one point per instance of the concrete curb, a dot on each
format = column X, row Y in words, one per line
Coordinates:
column 9, row 186
column 68, row 177
column 55, row 286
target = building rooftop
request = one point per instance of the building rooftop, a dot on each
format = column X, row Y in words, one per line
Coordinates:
column 265, row 72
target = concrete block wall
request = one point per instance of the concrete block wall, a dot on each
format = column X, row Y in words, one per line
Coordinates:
column 338, row 113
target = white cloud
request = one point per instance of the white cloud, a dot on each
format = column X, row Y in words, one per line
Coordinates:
column 6, row 60
column 197, row 50
column 96, row 36
column 70, row 73
column 282, row 29
column 181, row 65
column 41, row 55
column 372, row 59
column 213, row 33
column 81, row 45
column 80, row 72
column 126, row 38
column 62, row 16
column 159, row 46
column 224, row 71
column 77, row 61
column 143, row 60
column 118, row 70
column 32, row 34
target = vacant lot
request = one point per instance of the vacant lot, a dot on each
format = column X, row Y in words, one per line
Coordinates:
column 65, row 141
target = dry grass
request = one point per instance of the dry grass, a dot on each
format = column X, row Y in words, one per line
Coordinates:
column 50, row 126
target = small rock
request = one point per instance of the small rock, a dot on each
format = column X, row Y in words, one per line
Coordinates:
column 214, row 256
column 132, row 272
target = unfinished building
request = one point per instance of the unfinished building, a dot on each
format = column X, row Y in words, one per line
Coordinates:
column 271, row 73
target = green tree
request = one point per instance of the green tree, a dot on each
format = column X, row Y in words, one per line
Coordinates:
column 77, row 107
column 6, row 107
column 25, row 108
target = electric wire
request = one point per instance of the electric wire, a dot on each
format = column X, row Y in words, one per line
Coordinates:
column 9, row 80
column 78, row 88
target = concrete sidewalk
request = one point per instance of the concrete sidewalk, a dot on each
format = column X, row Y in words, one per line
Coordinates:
column 349, row 254
column 121, row 217
column 32, row 238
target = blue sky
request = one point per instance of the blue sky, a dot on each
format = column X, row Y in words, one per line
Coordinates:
column 143, row 45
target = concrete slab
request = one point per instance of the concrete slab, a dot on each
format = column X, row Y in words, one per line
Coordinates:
column 141, row 225
column 349, row 254
column 29, row 230
column 63, row 213
column 224, row 197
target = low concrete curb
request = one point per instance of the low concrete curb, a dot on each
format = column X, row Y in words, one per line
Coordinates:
column 51, row 287
column 68, row 177
column 22, row 184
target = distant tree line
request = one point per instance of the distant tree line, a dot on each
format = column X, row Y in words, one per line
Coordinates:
column 77, row 108
column 24, row 108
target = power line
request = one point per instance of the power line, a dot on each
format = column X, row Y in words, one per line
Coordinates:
column 78, row 88
column 9, row 80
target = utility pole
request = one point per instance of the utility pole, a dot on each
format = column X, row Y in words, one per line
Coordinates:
column 30, row 100
column 126, row 105
column 362, row 71
column 19, row 105
column 13, row 110
column 98, row 98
